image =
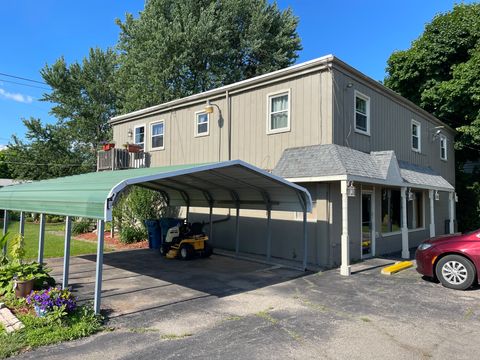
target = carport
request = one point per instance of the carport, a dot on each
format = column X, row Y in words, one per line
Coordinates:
column 229, row 184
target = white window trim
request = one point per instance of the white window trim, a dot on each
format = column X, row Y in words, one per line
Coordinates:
column 269, row 113
column 196, row 124
column 419, row 128
column 144, row 135
column 367, row 99
column 446, row 147
column 151, row 136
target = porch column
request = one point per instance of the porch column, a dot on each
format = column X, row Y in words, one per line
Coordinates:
column 5, row 229
column 373, row 215
column 451, row 200
column 210, row 220
column 66, row 252
column 431, row 196
column 345, row 268
column 41, row 238
column 237, row 231
column 305, row 240
column 99, row 266
column 405, row 247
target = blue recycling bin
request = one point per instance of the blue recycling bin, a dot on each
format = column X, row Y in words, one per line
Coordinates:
column 154, row 234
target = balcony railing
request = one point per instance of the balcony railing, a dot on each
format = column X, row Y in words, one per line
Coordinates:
column 117, row 159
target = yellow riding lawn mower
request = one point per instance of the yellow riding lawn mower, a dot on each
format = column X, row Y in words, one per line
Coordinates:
column 186, row 241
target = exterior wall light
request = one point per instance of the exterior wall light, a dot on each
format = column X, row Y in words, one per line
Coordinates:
column 411, row 195
column 456, row 197
column 130, row 133
column 208, row 108
column 437, row 195
column 351, row 190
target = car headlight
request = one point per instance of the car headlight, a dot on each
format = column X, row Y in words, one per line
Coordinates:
column 424, row 246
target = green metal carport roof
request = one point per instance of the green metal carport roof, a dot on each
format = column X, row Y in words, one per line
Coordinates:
column 220, row 184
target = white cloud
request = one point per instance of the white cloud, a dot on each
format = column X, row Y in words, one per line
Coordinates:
column 16, row 96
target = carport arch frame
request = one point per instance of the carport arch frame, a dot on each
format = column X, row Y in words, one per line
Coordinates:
column 302, row 194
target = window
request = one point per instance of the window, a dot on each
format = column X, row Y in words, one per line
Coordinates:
column 391, row 210
column 416, row 136
column 415, row 210
column 202, row 123
column 278, row 112
column 139, row 132
column 362, row 113
column 158, row 131
column 443, row 147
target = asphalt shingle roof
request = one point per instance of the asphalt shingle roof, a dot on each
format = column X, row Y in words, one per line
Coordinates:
column 330, row 160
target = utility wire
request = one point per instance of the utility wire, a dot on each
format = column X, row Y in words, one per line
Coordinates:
column 17, row 83
column 23, row 78
column 36, row 164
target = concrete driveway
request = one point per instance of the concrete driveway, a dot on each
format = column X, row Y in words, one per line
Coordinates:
column 253, row 311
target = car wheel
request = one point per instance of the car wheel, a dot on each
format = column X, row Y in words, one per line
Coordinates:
column 455, row 272
column 186, row 252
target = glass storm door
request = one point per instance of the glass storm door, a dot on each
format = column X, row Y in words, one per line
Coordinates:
column 366, row 224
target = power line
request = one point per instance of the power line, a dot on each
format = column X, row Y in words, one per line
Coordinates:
column 23, row 78
column 39, row 164
column 17, row 83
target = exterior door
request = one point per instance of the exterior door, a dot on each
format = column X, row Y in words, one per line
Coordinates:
column 367, row 224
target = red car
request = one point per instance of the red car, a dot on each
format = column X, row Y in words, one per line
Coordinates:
column 454, row 260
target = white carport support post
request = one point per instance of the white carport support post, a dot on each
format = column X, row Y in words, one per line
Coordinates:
column 269, row 234
column 210, row 220
column 21, row 229
column 41, row 239
column 237, row 232
column 5, row 229
column 431, row 197
column 405, row 246
column 345, row 268
column 305, row 240
column 451, row 201
column 66, row 251
column 99, row 269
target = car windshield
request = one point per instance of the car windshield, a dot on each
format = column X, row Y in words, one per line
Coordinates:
column 473, row 232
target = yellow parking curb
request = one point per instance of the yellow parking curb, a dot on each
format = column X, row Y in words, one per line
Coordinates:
column 399, row 266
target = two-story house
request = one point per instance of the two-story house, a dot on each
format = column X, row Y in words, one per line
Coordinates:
column 379, row 168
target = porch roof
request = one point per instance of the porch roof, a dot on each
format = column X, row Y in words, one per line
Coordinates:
column 331, row 162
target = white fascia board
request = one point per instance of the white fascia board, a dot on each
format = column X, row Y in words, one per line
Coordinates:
column 318, row 179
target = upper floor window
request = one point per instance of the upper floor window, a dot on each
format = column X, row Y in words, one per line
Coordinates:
column 362, row 113
column 202, row 123
column 139, row 132
column 443, row 147
column 416, row 136
column 278, row 112
column 158, row 132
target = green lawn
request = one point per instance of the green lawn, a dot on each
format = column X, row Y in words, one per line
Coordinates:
column 54, row 240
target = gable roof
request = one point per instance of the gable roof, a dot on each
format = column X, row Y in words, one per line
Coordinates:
column 337, row 162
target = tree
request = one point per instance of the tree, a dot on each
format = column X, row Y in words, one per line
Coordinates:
column 180, row 47
column 5, row 172
column 49, row 151
column 441, row 73
column 84, row 95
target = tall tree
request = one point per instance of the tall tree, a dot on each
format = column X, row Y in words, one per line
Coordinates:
column 441, row 73
column 48, row 151
column 180, row 47
column 83, row 95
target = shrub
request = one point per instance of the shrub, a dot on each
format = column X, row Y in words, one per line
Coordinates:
column 28, row 271
column 132, row 234
column 81, row 226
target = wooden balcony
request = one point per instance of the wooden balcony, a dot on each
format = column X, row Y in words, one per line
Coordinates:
column 118, row 159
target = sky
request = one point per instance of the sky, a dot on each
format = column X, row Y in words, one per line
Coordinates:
column 36, row 33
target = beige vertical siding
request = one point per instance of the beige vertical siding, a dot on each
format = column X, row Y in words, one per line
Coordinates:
column 390, row 124
column 310, row 121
